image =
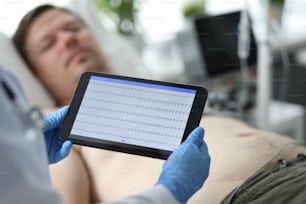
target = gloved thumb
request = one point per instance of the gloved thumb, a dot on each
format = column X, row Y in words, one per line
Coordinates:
column 196, row 136
column 65, row 149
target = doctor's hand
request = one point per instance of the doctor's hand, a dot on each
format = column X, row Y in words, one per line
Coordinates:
column 187, row 168
column 55, row 148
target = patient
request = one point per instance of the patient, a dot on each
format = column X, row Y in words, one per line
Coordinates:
column 58, row 47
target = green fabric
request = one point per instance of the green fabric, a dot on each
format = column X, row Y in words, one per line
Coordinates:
column 280, row 184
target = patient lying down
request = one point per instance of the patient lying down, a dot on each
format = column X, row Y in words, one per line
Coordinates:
column 90, row 175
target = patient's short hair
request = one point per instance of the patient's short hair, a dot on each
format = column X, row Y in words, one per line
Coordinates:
column 21, row 32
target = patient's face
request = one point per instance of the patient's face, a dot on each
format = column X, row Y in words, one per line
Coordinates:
column 60, row 48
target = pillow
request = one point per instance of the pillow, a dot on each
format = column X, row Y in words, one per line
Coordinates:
column 120, row 52
column 11, row 61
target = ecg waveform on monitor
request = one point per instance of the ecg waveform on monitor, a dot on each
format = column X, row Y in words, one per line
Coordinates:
column 135, row 130
column 134, row 114
column 142, row 99
column 141, row 107
column 133, row 121
column 128, row 113
column 126, row 137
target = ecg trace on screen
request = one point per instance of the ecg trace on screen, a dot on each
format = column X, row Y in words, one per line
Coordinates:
column 134, row 113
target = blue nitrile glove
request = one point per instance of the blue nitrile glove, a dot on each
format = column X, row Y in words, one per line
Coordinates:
column 187, row 168
column 55, row 148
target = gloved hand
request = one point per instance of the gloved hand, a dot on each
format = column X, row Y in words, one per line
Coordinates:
column 55, row 148
column 187, row 168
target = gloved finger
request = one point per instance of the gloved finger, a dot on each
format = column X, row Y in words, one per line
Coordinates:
column 54, row 119
column 196, row 136
column 65, row 149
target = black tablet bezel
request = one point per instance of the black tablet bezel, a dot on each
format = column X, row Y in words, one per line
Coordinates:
column 195, row 114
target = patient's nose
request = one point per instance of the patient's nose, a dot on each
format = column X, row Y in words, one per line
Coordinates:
column 67, row 39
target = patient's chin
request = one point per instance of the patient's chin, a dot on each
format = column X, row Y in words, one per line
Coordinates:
column 83, row 65
column 89, row 64
column 98, row 68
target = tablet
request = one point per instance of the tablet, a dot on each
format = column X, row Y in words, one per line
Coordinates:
column 132, row 115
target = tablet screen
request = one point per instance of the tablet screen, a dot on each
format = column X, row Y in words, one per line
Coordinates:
column 136, row 113
column 132, row 115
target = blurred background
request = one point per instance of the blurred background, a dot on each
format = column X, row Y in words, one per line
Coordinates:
column 249, row 54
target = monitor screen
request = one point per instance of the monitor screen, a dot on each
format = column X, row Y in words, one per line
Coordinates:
column 126, row 111
column 218, row 43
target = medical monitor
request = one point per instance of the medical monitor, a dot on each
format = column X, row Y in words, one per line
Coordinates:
column 132, row 115
column 218, row 43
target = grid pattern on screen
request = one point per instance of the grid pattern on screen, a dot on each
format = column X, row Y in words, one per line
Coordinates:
column 134, row 113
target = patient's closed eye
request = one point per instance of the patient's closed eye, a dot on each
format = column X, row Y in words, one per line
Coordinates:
column 48, row 43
